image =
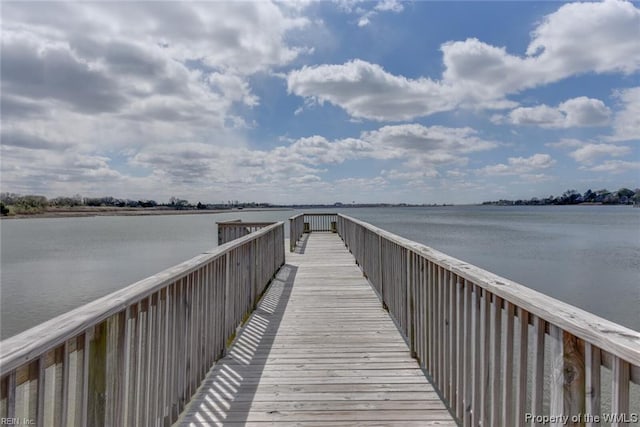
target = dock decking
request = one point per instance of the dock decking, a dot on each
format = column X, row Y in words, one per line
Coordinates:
column 318, row 350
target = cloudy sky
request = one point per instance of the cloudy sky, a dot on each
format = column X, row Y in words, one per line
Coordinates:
column 286, row 102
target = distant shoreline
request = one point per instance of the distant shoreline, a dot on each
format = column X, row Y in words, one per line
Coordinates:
column 85, row 212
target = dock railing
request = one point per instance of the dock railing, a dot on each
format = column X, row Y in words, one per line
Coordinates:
column 307, row 223
column 483, row 339
column 234, row 229
column 135, row 357
column 296, row 230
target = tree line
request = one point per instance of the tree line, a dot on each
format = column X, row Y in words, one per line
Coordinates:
column 17, row 204
column 623, row 196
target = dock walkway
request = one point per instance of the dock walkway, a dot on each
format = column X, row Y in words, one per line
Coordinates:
column 319, row 350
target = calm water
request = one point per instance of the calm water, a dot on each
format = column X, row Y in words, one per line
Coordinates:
column 587, row 256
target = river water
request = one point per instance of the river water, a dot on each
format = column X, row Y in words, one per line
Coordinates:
column 588, row 256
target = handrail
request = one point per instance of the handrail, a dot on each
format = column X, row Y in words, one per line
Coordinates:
column 234, row 229
column 321, row 221
column 464, row 325
column 138, row 354
column 310, row 222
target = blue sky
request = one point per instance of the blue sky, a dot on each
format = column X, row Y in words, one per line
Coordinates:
column 298, row 102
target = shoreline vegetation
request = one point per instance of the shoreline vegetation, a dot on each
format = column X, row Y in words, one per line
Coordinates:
column 623, row 196
column 34, row 206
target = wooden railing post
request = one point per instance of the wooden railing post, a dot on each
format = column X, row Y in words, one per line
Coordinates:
column 567, row 373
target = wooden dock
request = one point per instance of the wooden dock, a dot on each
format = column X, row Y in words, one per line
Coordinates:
column 319, row 350
column 356, row 326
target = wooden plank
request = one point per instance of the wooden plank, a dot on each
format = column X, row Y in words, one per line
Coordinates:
column 357, row 405
column 537, row 378
column 474, row 407
column 620, row 391
column 521, row 379
column 507, row 368
column 484, row 373
column 592, row 383
column 556, row 399
column 240, row 387
column 275, row 416
column 496, row 343
column 467, row 355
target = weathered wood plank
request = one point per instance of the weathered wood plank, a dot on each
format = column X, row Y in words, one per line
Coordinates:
column 276, row 416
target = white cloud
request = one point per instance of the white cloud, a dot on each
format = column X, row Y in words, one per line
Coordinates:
column 365, row 12
column 389, row 6
column 414, row 176
column 578, row 38
column 519, row 165
column 575, row 112
column 318, row 150
column 541, row 115
column 590, row 152
column 305, row 179
column 614, row 166
column 626, row 122
column 420, row 145
column 366, row 90
column 583, row 111
column 360, row 184
column 151, row 83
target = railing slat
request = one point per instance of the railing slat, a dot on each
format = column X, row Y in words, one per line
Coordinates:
column 537, row 378
column 40, row 418
column 468, row 354
column 592, row 383
column 476, row 372
column 523, row 368
column 496, row 341
column 485, row 331
column 620, row 392
column 459, row 347
column 557, row 375
column 507, row 368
